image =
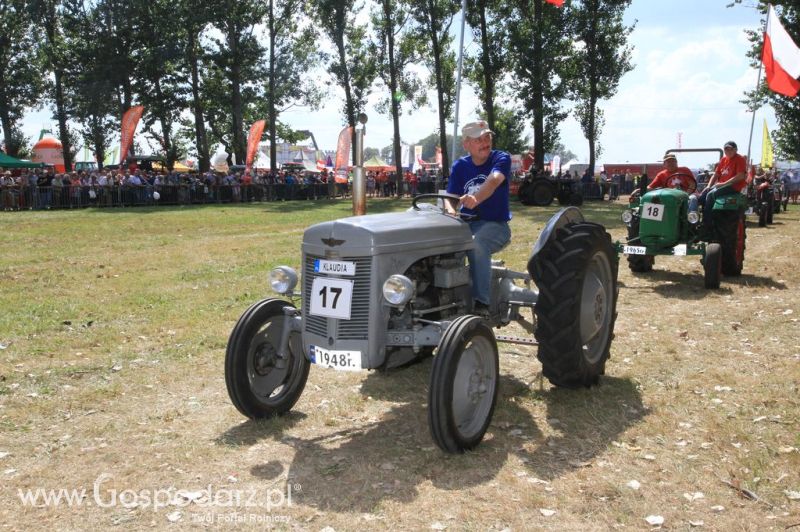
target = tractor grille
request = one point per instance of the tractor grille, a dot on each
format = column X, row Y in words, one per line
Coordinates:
column 357, row 326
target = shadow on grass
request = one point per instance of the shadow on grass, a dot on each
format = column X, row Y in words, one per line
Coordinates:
column 690, row 285
column 586, row 421
column 357, row 467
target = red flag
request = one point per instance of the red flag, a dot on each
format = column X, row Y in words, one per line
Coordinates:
column 343, row 154
column 557, row 3
column 129, row 122
column 256, row 130
column 781, row 57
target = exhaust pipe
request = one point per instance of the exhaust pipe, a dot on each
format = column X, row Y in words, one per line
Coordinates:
column 359, row 181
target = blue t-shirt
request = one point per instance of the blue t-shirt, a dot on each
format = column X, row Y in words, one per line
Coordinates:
column 466, row 178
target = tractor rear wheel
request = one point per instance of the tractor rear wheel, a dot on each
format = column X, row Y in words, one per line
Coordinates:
column 732, row 237
column 576, row 272
column 541, row 193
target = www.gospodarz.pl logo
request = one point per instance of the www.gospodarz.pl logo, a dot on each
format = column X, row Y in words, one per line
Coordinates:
column 104, row 496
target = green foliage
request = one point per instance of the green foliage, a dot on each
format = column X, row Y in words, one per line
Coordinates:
column 786, row 137
column 509, row 131
column 600, row 58
column 21, row 81
column 539, row 48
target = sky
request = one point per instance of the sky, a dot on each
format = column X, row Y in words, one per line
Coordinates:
column 690, row 73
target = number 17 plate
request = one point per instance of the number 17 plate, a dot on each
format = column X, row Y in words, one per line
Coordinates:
column 341, row 360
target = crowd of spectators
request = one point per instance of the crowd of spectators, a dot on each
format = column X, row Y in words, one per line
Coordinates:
column 44, row 189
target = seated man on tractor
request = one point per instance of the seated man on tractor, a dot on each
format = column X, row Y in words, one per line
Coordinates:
column 730, row 177
column 672, row 176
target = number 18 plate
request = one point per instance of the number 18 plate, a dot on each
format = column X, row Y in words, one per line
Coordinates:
column 341, row 360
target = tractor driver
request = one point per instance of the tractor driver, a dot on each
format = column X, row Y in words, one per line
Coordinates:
column 481, row 179
column 731, row 171
column 672, row 176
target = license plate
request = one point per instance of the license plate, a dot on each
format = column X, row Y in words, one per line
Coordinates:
column 679, row 250
column 335, row 267
column 340, row 360
column 653, row 211
column 749, row 211
column 331, row 297
column 634, row 250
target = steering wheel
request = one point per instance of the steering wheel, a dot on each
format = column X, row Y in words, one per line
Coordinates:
column 683, row 181
column 446, row 196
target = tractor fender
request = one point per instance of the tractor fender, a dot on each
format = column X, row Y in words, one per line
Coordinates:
column 567, row 215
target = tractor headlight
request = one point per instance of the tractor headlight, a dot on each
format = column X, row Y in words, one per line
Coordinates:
column 283, row 279
column 627, row 216
column 693, row 217
column 398, row 290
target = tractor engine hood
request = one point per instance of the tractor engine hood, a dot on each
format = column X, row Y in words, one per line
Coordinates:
column 402, row 232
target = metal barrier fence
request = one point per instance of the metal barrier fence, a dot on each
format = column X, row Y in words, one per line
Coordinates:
column 72, row 197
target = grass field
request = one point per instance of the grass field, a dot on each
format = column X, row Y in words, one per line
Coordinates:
column 113, row 326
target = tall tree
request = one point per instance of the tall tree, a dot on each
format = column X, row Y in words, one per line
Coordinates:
column 509, row 130
column 602, row 56
column 539, row 47
column 160, row 83
column 20, row 77
column 353, row 67
column 48, row 15
column 397, row 50
column 292, row 52
column 488, row 20
column 194, row 15
column 90, row 91
column 435, row 18
column 237, row 55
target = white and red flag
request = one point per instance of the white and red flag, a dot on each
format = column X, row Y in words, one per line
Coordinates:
column 343, row 154
column 781, row 57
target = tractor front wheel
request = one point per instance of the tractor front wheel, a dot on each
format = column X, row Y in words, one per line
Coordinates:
column 712, row 266
column 463, row 388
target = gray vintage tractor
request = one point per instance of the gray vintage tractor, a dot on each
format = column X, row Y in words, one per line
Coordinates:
column 378, row 291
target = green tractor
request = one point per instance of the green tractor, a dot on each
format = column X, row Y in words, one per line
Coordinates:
column 660, row 222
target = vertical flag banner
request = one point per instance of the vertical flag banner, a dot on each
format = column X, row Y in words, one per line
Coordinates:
column 439, row 155
column 343, row 154
column 253, row 138
column 418, row 158
column 404, row 153
column 767, row 160
column 129, row 122
column 781, row 57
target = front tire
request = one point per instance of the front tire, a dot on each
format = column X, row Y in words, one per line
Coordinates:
column 576, row 273
column 712, row 266
column 258, row 384
column 639, row 263
column 463, row 388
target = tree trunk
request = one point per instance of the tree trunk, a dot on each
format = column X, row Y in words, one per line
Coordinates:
column 349, row 107
column 98, row 140
column 237, row 112
column 272, row 115
column 6, row 124
column 437, row 67
column 398, row 162
column 486, row 64
column 538, row 96
column 61, row 116
column 203, row 156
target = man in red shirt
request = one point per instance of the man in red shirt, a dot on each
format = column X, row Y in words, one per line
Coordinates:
column 730, row 177
column 672, row 176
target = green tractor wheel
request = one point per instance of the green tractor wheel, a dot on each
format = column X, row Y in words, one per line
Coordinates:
column 712, row 265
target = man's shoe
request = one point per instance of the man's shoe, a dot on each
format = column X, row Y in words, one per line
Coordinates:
column 480, row 309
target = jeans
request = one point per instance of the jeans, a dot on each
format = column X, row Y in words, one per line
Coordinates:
column 489, row 237
column 707, row 199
